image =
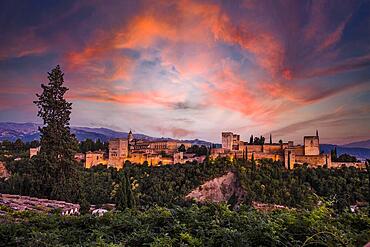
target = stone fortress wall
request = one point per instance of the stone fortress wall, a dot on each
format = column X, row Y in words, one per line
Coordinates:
column 288, row 153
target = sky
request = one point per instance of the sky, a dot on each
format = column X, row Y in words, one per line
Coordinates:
column 192, row 69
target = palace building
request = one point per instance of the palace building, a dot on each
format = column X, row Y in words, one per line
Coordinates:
column 140, row 150
column 288, row 153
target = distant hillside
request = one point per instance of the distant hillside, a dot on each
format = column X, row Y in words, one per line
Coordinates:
column 360, row 144
column 23, row 131
column 360, row 153
column 29, row 131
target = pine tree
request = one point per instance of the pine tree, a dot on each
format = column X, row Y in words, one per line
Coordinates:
column 58, row 145
column 57, row 142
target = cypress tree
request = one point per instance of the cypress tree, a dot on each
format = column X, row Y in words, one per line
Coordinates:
column 130, row 195
column 121, row 196
column 270, row 139
column 125, row 197
column 253, row 166
column 56, row 140
column 58, row 145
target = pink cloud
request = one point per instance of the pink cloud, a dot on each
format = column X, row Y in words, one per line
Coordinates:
column 147, row 98
column 335, row 36
column 228, row 90
column 174, row 131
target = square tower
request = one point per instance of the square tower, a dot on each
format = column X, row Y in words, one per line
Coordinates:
column 227, row 140
column 311, row 145
column 118, row 148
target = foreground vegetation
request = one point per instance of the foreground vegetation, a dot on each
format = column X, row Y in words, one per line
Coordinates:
column 212, row 225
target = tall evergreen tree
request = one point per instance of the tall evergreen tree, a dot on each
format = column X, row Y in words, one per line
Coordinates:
column 58, row 177
column 57, row 142
column 124, row 195
column 131, row 203
column 261, row 140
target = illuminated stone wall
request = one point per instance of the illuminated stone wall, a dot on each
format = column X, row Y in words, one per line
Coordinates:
column 314, row 160
column 94, row 158
column 311, row 145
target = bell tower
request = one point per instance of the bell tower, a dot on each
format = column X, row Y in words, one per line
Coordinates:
column 130, row 136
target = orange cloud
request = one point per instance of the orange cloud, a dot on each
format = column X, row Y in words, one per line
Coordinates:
column 147, row 98
column 190, row 22
column 91, row 62
column 308, row 93
column 229, row 91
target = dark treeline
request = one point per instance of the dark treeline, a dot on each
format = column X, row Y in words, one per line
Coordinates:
column 17, row 149
column 342, row 157
column 197, row 150
column 18, row 146
column 90, row 145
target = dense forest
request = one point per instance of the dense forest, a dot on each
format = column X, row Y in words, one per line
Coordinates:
column 269, row 182
column 159, row 216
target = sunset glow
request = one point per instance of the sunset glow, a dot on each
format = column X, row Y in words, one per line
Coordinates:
column 191, row 69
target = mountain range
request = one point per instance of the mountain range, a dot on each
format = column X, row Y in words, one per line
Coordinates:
column 29, row 131
column 360, row 144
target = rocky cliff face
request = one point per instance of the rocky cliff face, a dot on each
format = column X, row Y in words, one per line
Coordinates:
column 4, row 173
column 222, row 189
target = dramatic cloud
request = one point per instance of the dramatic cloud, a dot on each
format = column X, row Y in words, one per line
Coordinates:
column 242, row 65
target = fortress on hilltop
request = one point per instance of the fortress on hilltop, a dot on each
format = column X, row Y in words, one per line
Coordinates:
column 138, row 151
column 167, row 152
column 288, row 153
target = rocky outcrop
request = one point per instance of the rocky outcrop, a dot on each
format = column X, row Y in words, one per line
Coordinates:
column 222, row 189
column 227, row 188
column 4, row 173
